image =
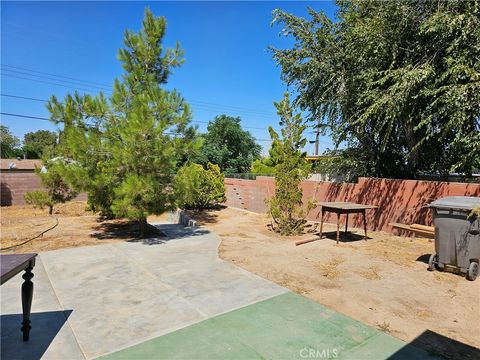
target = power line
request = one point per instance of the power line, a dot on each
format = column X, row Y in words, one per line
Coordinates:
column 61, row 121
column 56, row 75
column 25, row 116
column 44, row 100
column 48, row 82
column 193, row 101
column 74, row 82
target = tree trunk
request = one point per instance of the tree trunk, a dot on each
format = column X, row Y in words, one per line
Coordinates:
column 50, row 210
column 142, row 223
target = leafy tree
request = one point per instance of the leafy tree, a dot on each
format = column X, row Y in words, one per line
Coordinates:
column 286, row 206
column 38, row 143
column 228, row 145
column 266, row 166
column 126, row 148
column 9, row 143
column 398, row 81
column 58, row 190
column 197, row 188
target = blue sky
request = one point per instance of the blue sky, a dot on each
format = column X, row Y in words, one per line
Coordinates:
column 228, row 68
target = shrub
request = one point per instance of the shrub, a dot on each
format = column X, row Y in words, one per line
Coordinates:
column 52, row 176
column 39, row 199
column 197, row 188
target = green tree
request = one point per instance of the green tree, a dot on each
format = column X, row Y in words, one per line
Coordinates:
column 197, row 188
column 286, row 206
column 38, row 143
column 126, row 148
column 228, row 145
column 9, row 143
column 58, row 190
column 266, row 166
column 397, row 81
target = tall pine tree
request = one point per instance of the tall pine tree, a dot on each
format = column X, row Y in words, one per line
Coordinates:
column 126, row 148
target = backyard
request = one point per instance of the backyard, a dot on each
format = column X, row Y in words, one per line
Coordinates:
column 365, row 280
column 240, row 180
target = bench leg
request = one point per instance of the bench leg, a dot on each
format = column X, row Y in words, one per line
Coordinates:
column 346, row 227
column 27, row 295
column 338, row 227
column 321, row 224
column 365, row 224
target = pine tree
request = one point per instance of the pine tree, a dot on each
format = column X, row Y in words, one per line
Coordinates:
column 286, row 206
column 127, row 147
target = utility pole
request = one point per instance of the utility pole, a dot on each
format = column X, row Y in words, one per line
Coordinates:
column 317, row 137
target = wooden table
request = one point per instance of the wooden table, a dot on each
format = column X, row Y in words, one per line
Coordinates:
column 340, row 208
column 11, row 265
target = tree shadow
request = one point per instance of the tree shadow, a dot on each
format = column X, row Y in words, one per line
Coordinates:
column 45, row 327
column 436, row 345
column 124, row 229
column 5, row 195
column 170, row 232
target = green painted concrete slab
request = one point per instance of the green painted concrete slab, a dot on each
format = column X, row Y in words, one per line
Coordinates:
column 287, row 326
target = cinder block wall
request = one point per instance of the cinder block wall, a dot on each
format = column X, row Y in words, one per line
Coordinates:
column 403, row 201
column 14, row 185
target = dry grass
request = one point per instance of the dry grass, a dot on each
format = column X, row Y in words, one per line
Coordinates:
column 384, row 326
column 371, row 273
column 330, row 269
column 76, row 227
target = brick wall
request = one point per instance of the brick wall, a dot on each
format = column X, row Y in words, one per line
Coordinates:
column 401, row 201
column 15, row 184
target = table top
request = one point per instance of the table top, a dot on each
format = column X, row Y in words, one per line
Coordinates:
column 345, row 205
column 12, row 264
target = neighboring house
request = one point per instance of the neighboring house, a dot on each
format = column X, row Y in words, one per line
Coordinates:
column 18, row 177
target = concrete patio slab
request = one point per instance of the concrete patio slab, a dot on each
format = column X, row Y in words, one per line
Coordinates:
column 117, row 295
column 51, row 336
column 287, row 326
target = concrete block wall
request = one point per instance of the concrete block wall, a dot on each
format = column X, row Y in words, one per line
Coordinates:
column 14, row 185
column 403, row 201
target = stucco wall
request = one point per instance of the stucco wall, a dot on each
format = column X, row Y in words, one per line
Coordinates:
column 401, row 201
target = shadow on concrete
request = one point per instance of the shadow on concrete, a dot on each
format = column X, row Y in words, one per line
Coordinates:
column 124, row 229
column 171, row 232
column 45, row 327
column 5, row 194
column 437, row 346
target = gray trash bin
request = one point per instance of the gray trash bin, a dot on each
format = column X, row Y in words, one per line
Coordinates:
column 457, row 235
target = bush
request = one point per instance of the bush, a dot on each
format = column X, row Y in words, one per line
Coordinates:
column 197, row 188
column 39, row 199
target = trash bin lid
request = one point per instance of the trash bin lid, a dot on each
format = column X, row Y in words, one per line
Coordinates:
column 456, row 202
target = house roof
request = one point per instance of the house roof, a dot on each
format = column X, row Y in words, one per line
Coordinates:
column 23, row 164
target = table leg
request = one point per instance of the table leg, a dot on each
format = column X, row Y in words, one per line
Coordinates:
column 365, row 224
column 346, row 227
column 27, row 295
column 338, row 227
column 321, row 224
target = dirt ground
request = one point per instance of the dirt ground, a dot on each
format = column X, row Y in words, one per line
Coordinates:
column 76, row 227
column 383, row 282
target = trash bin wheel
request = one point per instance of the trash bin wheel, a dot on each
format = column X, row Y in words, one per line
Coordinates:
column 432, row 262
column 472, row 271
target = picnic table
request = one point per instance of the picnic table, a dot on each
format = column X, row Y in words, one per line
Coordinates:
column 340, row 208
column 11, row 265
